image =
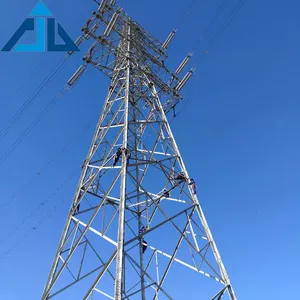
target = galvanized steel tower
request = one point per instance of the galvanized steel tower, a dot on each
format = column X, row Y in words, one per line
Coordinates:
column 135, row 223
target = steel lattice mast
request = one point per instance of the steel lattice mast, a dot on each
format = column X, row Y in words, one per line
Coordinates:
column 135, row 213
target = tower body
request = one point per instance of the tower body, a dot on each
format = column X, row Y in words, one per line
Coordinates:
column 135, row 227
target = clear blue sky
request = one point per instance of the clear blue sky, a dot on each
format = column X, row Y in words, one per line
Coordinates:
column 239, row 134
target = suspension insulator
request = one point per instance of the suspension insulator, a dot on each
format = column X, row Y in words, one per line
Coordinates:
column 185, row 79
column 111, row 24
column 102, row 6
column 73, row 80
column 183, row 64
column 169, row 39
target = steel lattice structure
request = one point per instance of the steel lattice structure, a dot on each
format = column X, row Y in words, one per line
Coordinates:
column 135, row 212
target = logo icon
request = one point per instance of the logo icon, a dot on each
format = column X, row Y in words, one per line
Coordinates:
column 45, row 35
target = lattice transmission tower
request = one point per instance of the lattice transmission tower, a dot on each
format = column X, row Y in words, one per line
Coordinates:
column 135, row 229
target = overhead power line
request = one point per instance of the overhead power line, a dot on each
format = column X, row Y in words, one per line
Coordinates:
column 233, row 13
column 32, row 229
column 37, row 209
column 212, row 42
column 211, row 23
column 31, row 100
column 23, row 135
column 186, row 13
column 45, row 166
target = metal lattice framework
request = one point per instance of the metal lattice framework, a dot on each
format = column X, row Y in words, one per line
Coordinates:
column 135, row 213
